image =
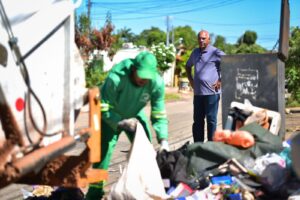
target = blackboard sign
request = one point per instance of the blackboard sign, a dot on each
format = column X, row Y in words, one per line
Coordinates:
column 246, row 83
column 258, row 78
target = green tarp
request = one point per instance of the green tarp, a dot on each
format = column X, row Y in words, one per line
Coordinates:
column 202, row 156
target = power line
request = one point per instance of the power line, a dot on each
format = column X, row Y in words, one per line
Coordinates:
column 133, row 10
column 166, row 7
column 230, row 24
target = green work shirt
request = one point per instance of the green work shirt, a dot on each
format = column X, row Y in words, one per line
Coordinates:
column 121, row 99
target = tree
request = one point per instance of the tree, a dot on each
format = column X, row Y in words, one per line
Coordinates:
column 102, row 40
column 98, row 39
column 82, row 40
column 123, row 35
column 246, row 44
column 116, row 45
column 188, row 36
column 249, row 38
column 152, row 36
column 293, row 65
column 220, row 42
column 87, row 42
column 83, row 24
column 254, row 48
column 126, row 35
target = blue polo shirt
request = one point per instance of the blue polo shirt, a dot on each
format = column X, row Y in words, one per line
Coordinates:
column 206, row 69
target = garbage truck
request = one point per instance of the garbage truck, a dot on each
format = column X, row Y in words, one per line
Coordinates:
column 42, row 88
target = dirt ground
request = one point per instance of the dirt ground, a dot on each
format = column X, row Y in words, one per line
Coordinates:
column 292, row 122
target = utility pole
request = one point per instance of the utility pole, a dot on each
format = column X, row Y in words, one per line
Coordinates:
column 173, row 35
column 89, row 5
column 284, row 30
column 168, row 30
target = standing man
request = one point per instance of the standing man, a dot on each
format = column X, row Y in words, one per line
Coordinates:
column 127, row 89
column 206, row 84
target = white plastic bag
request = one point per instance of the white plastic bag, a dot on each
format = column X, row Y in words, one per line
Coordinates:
column 141, row 178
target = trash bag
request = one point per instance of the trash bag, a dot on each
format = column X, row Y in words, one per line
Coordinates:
column 173, row 166
column 141, row 177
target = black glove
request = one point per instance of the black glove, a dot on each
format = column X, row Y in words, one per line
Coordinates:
column 128, row 125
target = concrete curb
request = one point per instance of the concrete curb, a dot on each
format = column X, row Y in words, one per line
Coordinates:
column 292, row 110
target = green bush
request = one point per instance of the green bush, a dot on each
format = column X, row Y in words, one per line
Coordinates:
column 165, row 56
column 180, row 65
column 293, row 100
column 292, row 69
column 94, row 74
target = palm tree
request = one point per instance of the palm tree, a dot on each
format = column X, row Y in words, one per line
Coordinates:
column 126, row 34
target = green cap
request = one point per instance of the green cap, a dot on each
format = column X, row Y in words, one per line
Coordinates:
column 145, row 63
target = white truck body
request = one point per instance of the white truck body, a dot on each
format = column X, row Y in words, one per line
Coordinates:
column 42, row 86
column 55, row 68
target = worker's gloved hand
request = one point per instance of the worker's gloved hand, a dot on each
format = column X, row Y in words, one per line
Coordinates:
column 164, row 145
column 128, row 125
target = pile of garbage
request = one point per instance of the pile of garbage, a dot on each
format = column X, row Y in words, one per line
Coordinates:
column 245, row 161
column 269, row 176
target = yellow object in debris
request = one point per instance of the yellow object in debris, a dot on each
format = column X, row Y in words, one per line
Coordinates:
column 42, row 190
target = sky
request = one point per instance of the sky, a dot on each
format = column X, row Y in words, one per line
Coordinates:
column 228, row 18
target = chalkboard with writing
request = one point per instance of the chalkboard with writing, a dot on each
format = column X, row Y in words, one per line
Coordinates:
column 258, row 78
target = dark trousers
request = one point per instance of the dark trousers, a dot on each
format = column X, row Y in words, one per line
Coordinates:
column 205, row 107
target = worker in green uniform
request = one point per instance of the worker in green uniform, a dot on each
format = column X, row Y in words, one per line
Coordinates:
column 127, row 89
